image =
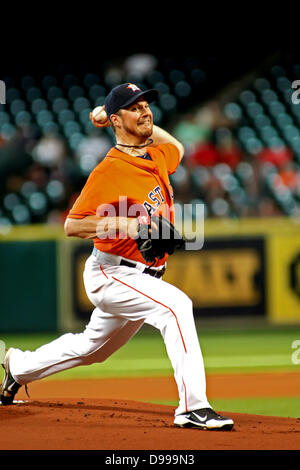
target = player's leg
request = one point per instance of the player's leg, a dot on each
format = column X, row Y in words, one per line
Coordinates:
column 177, row 327
column 102, row 336
column 165, row 307
column 171, row 311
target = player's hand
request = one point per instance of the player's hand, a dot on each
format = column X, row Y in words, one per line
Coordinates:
column 99, row 118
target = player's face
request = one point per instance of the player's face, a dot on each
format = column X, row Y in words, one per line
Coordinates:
column 137, row 119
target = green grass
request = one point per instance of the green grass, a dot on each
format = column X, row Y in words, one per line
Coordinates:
column 279, row 406
column 287, row 407
column 224, row 351
column 249, row 350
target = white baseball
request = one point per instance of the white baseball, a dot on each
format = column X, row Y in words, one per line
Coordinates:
column 99, row 114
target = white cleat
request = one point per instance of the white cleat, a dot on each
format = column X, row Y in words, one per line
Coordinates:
column 205, row 418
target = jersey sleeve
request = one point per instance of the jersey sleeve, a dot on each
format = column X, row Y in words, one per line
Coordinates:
column 171, row 155
column 89, row 198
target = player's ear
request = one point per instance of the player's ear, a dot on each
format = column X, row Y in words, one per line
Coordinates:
column 115, row 120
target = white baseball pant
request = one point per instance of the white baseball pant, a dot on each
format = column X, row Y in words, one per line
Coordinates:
column 124, row 299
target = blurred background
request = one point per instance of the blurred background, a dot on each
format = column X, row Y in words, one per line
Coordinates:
column 240, row 132
column 238, row 117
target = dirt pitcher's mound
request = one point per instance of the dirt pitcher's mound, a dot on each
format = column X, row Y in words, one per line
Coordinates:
column 92, row 424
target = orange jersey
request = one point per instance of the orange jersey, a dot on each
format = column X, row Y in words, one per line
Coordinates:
column 120, row 184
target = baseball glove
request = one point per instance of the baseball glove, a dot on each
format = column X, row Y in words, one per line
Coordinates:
column 156, row 237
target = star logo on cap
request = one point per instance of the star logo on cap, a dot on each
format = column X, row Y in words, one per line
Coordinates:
column 133, row 87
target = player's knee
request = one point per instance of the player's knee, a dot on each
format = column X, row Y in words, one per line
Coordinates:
column 188, row 301
column 85, row 346
column 183, row 302
column 181, row 306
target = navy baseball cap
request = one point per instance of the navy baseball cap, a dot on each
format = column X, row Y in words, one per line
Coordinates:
column 125, row 94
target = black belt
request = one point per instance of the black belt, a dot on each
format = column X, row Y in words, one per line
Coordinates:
column 152, row 272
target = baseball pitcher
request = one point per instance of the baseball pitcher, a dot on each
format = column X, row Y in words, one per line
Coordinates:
column 126, row 208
